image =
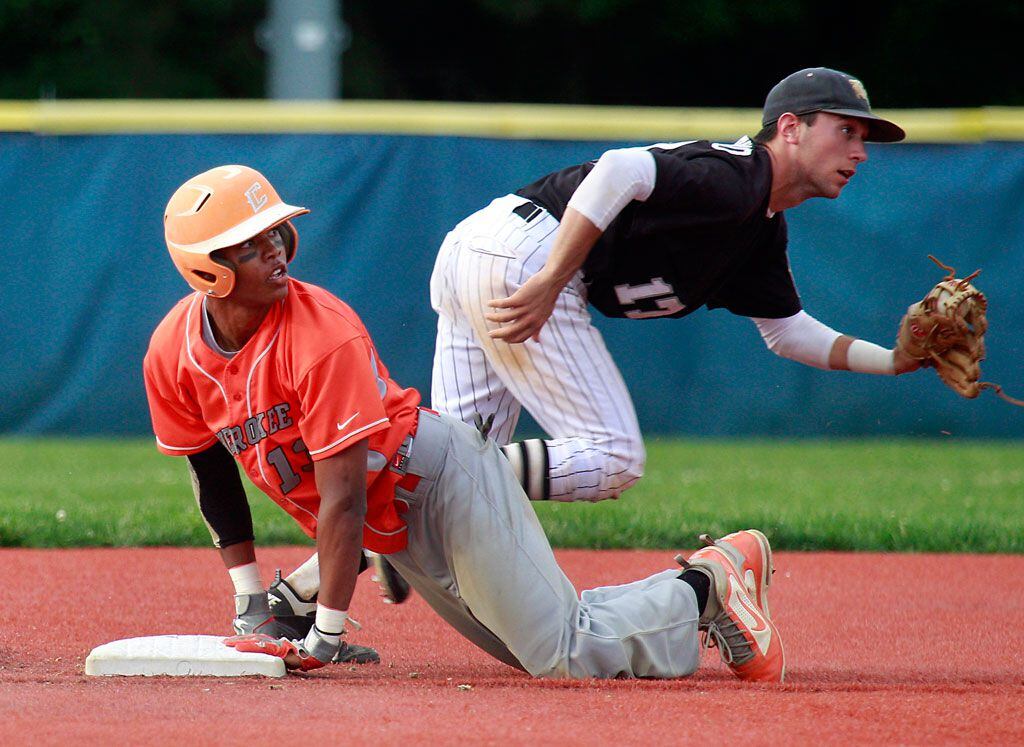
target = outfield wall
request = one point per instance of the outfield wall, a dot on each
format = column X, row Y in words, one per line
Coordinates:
column 89, row 277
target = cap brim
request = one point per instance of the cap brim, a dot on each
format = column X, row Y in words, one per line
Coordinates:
column 879, row 130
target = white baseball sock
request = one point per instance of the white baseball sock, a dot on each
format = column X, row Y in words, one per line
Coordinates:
column 306, row 578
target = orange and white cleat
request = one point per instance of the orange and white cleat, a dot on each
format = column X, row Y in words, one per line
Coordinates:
column 746, row 638
column 751, row 553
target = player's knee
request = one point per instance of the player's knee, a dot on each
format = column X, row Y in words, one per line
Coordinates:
column 576, row 469
column 626, row 466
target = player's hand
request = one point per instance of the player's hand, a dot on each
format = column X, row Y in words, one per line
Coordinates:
column 524, row 313
column 294, row 653
column 903, row 363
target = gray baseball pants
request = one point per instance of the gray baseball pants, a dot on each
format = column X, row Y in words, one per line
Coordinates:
column 478, row 555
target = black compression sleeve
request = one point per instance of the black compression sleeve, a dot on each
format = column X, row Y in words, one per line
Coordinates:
column 220, row 496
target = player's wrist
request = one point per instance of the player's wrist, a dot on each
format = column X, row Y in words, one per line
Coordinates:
column 554, row 275
column 867, row 357
column 903, row 363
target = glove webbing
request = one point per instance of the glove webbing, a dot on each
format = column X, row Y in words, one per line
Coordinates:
column 952, row 273
column 962, row 284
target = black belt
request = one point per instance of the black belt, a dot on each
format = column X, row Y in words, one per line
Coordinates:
column 528, row 211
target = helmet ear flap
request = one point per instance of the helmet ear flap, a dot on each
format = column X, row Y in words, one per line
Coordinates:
column 291, row 239
column 227, row 282
column 223, row 262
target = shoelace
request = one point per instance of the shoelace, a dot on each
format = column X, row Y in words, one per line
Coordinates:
column 732, row 645
column 727, row 637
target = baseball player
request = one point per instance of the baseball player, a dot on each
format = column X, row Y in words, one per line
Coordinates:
column 283, row 376
column 641, row 233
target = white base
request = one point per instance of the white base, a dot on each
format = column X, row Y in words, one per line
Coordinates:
column 179, row 656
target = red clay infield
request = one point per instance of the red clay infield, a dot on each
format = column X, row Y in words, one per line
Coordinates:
column 910, row 649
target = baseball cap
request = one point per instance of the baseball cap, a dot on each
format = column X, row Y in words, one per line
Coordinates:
column 820, row 89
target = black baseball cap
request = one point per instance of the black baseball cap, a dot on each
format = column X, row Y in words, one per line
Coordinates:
column 819, row 89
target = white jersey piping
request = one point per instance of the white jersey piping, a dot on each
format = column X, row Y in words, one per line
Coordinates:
column 348, row 436
column 162, row 445
column 191, row 357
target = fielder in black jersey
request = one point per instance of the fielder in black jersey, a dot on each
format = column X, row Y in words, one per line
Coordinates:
column 640, row 233
column 725, row 249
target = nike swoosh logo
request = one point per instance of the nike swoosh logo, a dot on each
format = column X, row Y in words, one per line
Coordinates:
column 342, row 426
column 745, row 610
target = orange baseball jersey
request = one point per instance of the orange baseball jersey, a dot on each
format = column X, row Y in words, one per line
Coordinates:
column 307, row 385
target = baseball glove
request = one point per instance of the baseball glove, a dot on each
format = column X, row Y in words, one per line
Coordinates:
column 946, row 330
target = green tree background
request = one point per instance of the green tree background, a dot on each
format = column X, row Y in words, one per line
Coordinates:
column 918, row 53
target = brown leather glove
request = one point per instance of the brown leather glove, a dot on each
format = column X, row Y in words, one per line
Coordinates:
column 946, row 330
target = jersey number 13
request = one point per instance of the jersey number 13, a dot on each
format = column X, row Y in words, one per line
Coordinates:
column 656, row 298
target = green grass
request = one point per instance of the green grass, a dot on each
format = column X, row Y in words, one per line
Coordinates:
column 66, row 493
column 843, row 495
column 919, row 495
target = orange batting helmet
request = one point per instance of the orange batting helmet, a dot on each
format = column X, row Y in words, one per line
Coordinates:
column 219, row 208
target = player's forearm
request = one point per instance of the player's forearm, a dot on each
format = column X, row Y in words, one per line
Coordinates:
column 220, row 496
column 576, row 237
column 804, row 339
column 341, row 483
column 339, row 545
column 838, row 356
column 851, row 354
column 800, row 338
column 618, row 178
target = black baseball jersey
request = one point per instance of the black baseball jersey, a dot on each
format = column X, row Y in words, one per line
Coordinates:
column 703, row 237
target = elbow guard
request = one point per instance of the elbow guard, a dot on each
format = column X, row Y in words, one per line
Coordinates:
column 220, row 496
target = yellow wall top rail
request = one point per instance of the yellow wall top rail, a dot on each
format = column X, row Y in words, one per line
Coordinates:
column 505, row 121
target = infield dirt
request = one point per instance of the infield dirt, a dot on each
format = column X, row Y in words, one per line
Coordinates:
column 910, row 649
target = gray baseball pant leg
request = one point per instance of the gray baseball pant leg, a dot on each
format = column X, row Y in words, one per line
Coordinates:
column 478, row 555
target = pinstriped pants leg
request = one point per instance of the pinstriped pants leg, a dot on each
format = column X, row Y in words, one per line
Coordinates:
column 568, row 380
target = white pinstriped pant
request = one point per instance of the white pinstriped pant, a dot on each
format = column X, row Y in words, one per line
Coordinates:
column 567, row 381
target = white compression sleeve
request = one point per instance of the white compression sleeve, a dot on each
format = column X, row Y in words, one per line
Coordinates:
column 800, row 337
column 866, row 357
column 804, row 339
column 620, row 176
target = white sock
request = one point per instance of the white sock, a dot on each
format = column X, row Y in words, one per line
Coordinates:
column 330, row 622
column 246, row 579
column 306, row 578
